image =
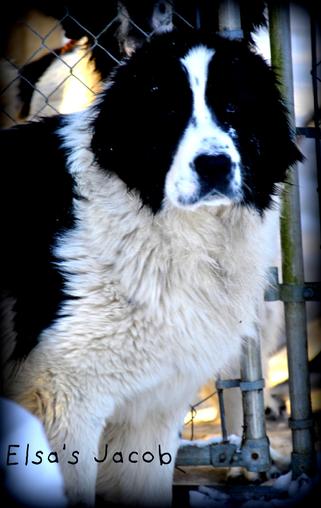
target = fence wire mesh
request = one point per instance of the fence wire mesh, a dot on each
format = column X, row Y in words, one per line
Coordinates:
column 44, row 56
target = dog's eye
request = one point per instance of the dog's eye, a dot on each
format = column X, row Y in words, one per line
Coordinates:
column 229, row 115
column 230, row 108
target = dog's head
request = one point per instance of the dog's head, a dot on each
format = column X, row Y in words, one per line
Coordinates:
column 195, row 120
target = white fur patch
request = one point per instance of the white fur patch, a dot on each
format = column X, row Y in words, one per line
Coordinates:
column 196, row 64
column 202, row 136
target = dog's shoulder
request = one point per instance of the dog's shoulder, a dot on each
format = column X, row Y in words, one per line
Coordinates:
column 32, row 154
column 36, row 188
column 36, row 206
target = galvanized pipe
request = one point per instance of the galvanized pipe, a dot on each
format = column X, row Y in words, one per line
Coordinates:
column 229, row 19
column 253, row 402
column 303, row 454
column 255, row 445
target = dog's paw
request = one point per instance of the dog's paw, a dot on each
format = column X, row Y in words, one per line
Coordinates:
column 240, row 475
column 280, row 465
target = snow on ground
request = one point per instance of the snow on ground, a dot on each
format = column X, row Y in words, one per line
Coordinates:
column 206, row 497
column 232, row 439
column 30, row 483
column 283, row 492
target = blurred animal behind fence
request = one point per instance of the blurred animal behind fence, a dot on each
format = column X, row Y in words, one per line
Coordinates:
column 66, row 77
column 102, row 36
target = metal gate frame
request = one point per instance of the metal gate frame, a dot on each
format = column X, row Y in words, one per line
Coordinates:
column 254, row 453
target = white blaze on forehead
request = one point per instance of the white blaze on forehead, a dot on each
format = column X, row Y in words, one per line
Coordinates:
column 211, row 138
column 196, row 64
column 201, row 136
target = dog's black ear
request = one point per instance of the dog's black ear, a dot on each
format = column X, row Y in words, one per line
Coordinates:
column 281, row 149
column 294, row 154
column 284, row 153
column 286, row 150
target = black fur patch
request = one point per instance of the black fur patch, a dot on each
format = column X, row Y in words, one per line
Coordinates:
column 242, row 92
column 36, row 198
column 142, row 117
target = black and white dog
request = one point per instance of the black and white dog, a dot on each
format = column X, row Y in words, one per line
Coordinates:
column 136, row 239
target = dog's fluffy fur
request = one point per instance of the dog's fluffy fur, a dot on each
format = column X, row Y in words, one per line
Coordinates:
column 137, row 245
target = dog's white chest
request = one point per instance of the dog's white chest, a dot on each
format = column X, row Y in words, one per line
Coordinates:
column 179, row 290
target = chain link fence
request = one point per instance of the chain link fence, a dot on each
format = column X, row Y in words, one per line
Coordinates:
column 54, row 61
column 64, row 47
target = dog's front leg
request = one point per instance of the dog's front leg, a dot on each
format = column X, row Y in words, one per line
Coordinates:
column 79, row 467
column 73, row 422
column 142, row 444
column 79, row 429
column 138, row 469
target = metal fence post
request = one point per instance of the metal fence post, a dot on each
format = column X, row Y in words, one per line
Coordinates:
column 229, row 19
column 255, row 445
column 301, row 421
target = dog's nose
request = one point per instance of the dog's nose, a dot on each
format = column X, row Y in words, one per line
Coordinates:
column 213, row 167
